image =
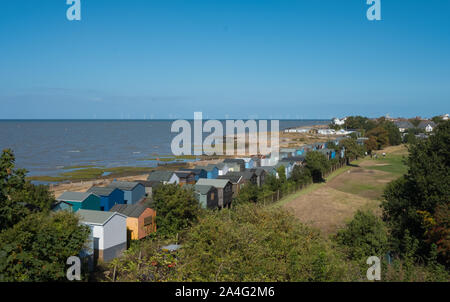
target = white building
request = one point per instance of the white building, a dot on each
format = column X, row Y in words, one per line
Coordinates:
column 339, row 122
column 445, row 117
column 326, row 131
column 109, row 233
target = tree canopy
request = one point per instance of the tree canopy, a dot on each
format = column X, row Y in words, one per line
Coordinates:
column 176, row 207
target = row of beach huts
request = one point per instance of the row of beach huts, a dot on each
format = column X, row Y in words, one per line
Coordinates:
column 122, row 211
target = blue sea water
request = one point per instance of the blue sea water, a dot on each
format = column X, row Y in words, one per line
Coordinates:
column 49, row 147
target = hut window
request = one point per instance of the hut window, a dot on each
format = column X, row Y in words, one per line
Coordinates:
column 148, row 220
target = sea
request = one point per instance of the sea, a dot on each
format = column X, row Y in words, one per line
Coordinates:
column 50, row 147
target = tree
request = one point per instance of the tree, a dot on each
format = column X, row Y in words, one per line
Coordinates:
column 177, row 208
column 282, row 173
column 424, row 189
column 19, row 198
column 37, row 248
column 394, row 136
column 318, row 164
column 248, row 193
column 364, row 236
column 381, row 136
column 352, row 149
column 371, row 144
column 301, row 175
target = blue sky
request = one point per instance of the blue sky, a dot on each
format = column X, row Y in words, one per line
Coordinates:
column 237, row 59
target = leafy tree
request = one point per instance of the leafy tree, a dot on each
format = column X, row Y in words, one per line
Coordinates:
column 394, row 136
column 364, row 236
column 381, row 136
column 424, row 189
column 19, row 198
column 437, row 119
column 301, row 175
column 318, row 164
column 415, row 122
column 177, row 208
column 272, row 183
column 352, row 149
column 248, row 193
column 282, row 173
column 37, row 248
column 359, row 123
column 371, row 144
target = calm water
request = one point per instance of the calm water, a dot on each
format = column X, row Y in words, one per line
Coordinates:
column 47, row 147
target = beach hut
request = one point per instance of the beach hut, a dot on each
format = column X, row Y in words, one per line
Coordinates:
column 212, row 172
column 109, row 196
column 79, row 200
column 236, row 180
column 198, row 173
column 224, row 190
column 109, row 233
column 149, row 186
column 185, row 177
column 133, row 191
column 62, row 206
column 166, row 177
column 238, row 161
column 207, row 196
column 141, row 219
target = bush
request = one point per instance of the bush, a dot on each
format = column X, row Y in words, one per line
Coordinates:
column 176, row 208
column 364, row 236
column 254, row 243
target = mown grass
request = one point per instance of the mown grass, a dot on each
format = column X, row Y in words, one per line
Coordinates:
column 391, row 164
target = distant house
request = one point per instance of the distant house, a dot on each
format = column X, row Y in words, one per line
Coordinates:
column 198, row 173
column 108, row 196
column 445, row 117
column 260, row 175
column 256, row 162
column 403, row 125
column 207, row 196
column 428, row 126
column 62, row 206
column 133, row 191
column 166, row 177
column 224, row 190
column 212, row 172
column 270, row 170
column 329, row 153
column 288, row 165
column 149, row 186
column 287, row 152
column 141, row 220
column 78, row 200
column 248, row 176
column 249, row 162
column 185, row 177
column 236, row 180
column 109, row 233
column 326, row 131
column 222, row 168
column 238, row 161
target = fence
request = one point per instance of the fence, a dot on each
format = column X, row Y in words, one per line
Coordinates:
column 294, row 188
